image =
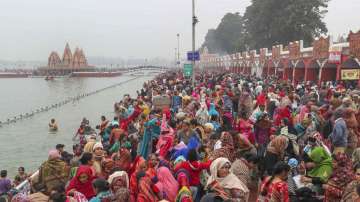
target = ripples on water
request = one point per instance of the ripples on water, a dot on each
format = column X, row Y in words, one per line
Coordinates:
column 27, row 142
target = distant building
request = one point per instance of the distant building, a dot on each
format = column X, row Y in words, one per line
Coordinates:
column 322, row 62
column 68, row 60
column 206, row 57
column 69, row 63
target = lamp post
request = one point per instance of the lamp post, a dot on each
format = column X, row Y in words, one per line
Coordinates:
column 176, row 57
column 194, row 21
column 178, row 48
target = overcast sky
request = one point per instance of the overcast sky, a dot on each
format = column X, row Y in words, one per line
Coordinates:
column 30, row 29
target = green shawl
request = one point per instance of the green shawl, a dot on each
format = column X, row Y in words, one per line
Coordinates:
column 323, row 162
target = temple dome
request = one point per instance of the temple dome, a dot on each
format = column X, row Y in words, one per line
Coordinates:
column 67, row 56
column 54, row 59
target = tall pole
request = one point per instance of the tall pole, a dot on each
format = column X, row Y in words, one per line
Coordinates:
column 178, row 48
column 194, row 21
column 175, row 57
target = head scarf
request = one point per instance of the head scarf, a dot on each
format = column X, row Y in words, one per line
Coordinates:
column 278, row 145
column 121, row 194
column 107, row 165
column 182, row 177
column 119, row 175
column 136, row 165
column 84, row 188
column 243, row 143
column 90, row 145
column 227, row 148
column 209, row 126
column 184, row 195
column 228, row 182
column 323, row 164
column 293, row 163
column 167, row 183
column 202, row 115
column 97, row 145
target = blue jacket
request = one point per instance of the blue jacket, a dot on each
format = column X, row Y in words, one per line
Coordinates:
column 339, row 135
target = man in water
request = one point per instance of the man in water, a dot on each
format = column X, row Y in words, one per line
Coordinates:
column 53, row 125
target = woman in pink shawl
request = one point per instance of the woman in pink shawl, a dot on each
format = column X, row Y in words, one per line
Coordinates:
column 167, row 184
column 245, row 127
column 196, row 95
column 166, row 139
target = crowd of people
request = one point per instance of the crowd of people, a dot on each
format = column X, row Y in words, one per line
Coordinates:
column 228, row 138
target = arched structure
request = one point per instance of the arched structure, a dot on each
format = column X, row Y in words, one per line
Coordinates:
column 324, row 61
column 54, row 59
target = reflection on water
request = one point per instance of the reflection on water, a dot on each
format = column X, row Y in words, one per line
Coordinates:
column 26, row 143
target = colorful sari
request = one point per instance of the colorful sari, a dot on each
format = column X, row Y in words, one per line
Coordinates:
column 184, row 195
column 151, row 131
column 276, row 192
column 122, row 159
column 167, row 184
column 139, row 162
column 323, row 162
column 145, row 192
column 341, row 176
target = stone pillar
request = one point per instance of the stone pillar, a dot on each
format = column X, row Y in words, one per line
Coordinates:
column 307, row 66
column 338, row 72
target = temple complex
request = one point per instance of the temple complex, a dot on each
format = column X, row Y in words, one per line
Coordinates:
column 69, row 63
column 324, row 61
column 78, row 60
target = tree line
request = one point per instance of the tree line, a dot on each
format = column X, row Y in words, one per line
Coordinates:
column 266, row 23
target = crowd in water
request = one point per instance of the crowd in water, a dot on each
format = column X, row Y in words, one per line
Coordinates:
column 227, row 138
column 57, row 105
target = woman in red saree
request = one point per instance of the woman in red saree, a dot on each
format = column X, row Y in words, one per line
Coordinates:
column 275, row 188
column 82, row 182
column 122, row 159
column 145, row 190
column 139, row 165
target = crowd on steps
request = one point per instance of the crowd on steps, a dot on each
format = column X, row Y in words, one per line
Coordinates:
column 230, row 138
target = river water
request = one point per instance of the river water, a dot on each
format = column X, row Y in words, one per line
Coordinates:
column 27, row 142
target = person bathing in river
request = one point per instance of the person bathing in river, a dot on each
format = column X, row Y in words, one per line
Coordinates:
column 81, row 133
column 53, row 125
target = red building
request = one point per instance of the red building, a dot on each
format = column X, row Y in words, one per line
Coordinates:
column 324, row 61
